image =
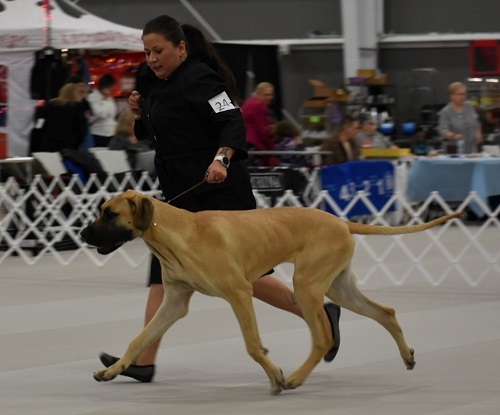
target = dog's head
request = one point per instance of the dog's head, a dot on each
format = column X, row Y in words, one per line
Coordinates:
column 122, row 218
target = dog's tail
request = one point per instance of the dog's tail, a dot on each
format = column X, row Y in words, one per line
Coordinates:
column 362, row 229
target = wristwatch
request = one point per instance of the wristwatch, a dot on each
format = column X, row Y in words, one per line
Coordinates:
column 224, row 160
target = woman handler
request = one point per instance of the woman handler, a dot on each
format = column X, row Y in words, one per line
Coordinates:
column 198, row 133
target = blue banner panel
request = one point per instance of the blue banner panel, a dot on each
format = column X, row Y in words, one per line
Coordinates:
column 343, row 181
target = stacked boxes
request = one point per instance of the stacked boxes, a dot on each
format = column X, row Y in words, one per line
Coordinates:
column 323, row 94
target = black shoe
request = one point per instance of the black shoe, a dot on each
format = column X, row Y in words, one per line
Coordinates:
column 140, row 373
column 333, row 313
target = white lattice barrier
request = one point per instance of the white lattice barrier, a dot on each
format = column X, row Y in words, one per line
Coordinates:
column 469, row 251
column 46, row 217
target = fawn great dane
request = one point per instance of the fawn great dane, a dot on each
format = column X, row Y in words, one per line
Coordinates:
column 220, row 253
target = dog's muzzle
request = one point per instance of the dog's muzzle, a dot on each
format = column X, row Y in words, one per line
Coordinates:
column 106, row 240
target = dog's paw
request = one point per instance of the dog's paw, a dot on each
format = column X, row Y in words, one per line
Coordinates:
column 410, row 361
column 103, row 375
column 276, row 390
column 292, row 382
column 277, row 385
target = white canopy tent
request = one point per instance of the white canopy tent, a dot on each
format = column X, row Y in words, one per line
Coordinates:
column 25, row 27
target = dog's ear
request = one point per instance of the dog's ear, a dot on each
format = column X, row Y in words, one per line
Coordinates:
column 142, row 212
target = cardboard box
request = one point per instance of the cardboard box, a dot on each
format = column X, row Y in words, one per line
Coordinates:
column 340, row 95
column 323, row 94
column 320, row 89
column 366, row 73
column 316, row 103
column 381, row 79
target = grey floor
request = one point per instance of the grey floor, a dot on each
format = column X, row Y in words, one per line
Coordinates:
column 54, row 321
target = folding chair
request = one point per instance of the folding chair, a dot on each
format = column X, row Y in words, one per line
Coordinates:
column 52, row 163
column 145, row 161
column 113, row 161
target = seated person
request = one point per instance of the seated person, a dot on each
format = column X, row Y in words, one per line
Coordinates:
column 368, row 136
column 125, row 139
column 289, row 139
column 490, row 125
column 343, row 145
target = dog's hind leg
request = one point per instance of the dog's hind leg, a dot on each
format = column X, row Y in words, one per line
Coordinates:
column 242, row 305
column 174, row 306
column 345, row 292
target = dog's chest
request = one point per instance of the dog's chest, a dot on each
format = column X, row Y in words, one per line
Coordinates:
column 197, row 283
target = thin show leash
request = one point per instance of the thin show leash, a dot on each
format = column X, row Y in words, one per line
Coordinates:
column 187, row 191
column 191, row 188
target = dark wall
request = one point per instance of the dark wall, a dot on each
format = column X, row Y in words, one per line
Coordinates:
column 280, row 19
column 300, row 66
column 231, row 19
column 416, row 87
column 255, row 19
column 422, row 76
column 443, row 16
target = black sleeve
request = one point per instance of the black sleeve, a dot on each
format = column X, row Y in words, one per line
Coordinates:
column 145, row 80
column 81, row 126
column 140, row 130
column 222, row 115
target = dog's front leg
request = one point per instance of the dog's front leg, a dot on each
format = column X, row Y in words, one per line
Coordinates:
column 173, row 307
column 242, row 305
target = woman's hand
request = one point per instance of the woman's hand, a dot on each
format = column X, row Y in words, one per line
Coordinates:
column 132, row 139
column 216, row 173
column 135, row 103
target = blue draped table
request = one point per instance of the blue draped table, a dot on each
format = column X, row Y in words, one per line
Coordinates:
column 454, row 178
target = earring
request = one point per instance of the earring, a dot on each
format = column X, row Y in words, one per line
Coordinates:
column 182, row 58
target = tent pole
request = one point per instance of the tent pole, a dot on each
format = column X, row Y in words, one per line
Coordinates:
column 48, row 19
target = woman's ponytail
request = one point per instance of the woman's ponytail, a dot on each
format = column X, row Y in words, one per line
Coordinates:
column 200, row 48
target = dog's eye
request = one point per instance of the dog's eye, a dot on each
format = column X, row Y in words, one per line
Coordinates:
column 109, row 214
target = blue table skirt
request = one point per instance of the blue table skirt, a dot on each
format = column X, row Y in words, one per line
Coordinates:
column 454, row 178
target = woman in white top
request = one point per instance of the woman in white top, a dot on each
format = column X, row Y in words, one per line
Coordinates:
column 104, row 111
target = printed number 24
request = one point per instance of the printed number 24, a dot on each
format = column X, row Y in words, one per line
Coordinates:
column 222, row 104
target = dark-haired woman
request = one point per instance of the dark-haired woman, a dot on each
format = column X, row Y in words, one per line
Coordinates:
column 198, row 132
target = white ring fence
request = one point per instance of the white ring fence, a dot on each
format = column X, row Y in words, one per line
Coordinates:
column 45, row 217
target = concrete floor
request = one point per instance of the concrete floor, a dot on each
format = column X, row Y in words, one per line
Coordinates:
column 54, row 321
